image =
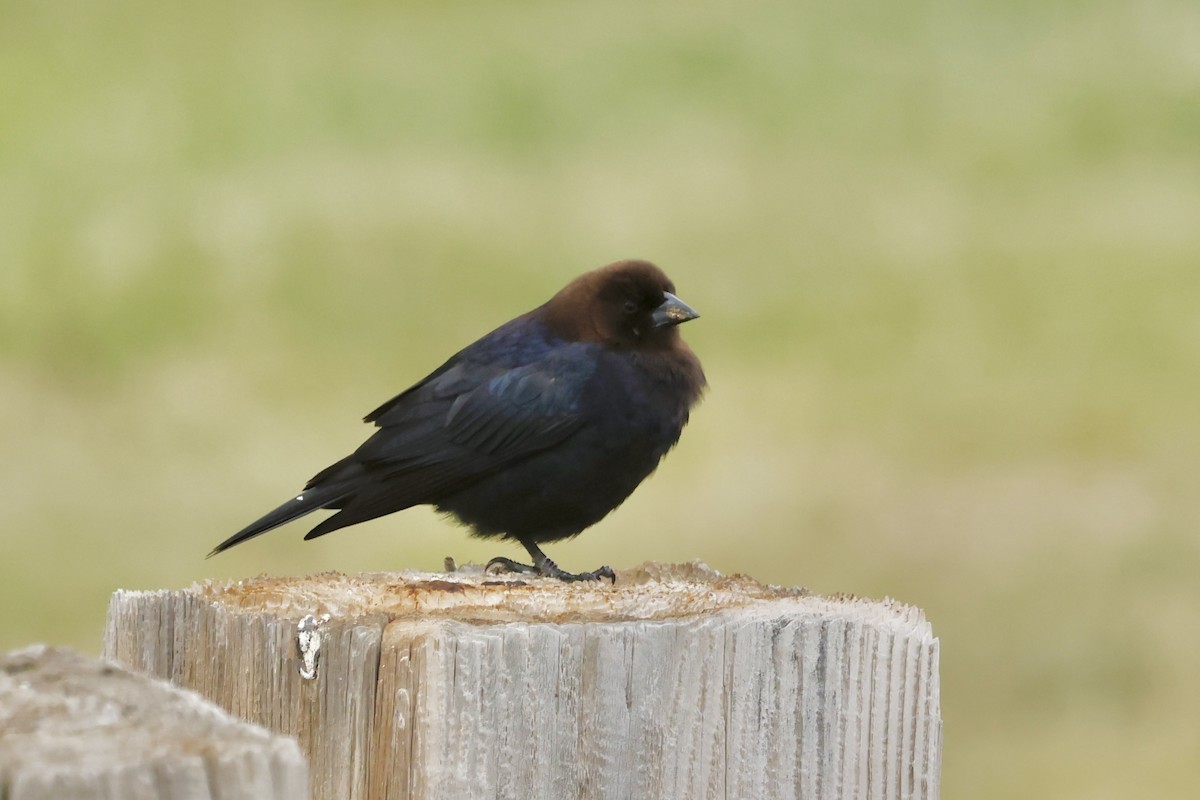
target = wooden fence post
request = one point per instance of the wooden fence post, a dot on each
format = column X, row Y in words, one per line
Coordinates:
column 76, row 728
column 676, row 683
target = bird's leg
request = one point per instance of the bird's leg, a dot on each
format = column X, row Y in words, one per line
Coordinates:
column 543, row 565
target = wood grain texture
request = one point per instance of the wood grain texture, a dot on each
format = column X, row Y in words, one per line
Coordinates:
column 674, row 683
column 76, row 728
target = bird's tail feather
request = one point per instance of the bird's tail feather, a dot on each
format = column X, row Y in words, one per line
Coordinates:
column 304, row 503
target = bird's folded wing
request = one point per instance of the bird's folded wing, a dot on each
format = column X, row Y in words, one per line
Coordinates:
column 471, row 419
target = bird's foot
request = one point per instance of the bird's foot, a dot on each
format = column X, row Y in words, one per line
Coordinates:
column 502, row 564
column 548, row 569
column 600, row 572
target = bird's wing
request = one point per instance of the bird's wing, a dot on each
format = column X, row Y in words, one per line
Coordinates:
column 474, row 416
column 466, row 421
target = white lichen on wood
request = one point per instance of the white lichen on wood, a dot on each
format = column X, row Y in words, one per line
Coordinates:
column 674, row 683
column 76, row 728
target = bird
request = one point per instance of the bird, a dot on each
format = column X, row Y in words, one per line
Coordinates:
column 534, row 432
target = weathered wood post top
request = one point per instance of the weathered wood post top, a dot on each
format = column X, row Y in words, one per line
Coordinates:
column 676, row 682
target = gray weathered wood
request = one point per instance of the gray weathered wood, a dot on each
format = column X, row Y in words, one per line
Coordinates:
column 76, row 728
column 674, row 683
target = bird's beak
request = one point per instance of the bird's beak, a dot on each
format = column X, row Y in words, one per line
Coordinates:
column 673, row 311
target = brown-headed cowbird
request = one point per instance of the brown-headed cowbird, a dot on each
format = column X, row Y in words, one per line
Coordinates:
column 532, row 433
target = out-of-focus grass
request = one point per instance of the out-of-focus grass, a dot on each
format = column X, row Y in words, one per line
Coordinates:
column 946, row 255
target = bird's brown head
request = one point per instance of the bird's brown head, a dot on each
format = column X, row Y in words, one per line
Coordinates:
column 625, row 304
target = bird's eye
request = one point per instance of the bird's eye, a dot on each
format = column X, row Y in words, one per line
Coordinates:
column 630, row 307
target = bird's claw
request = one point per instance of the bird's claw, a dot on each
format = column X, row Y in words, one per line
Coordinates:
column 548, row 569
column 600, row 572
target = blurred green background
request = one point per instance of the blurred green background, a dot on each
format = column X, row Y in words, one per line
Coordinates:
column 947, row 254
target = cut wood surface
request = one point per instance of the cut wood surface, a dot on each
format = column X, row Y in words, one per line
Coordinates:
column 76, row 728
column 676, row 682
